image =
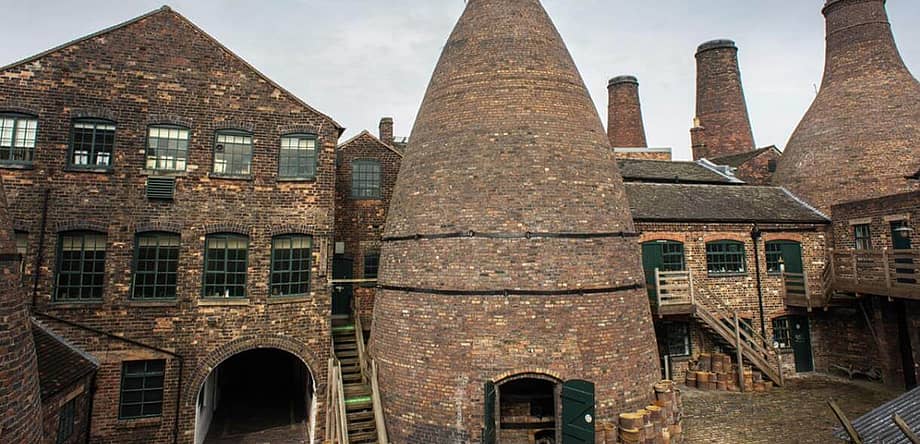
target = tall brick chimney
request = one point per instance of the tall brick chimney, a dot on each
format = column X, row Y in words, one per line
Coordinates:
column 624, row 113
column 722, row 126
column 861, row 136
column 386, row 130
column 509, row 248
column 21, row 421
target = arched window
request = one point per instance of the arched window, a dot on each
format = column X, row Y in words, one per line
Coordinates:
column 225, row 263
column 92, row 144
column 725, row 258
column 156, row 265
column 80, row 266
column 365, row 179
column 18, row 133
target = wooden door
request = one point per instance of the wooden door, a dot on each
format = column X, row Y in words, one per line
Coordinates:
column 342, row 268
column 577, row 412
column 792, row 256
column 488, row 428
column 663, row 255
column 801, row 344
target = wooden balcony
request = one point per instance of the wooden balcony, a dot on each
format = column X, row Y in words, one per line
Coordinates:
column 891, row 273
column 674, row 293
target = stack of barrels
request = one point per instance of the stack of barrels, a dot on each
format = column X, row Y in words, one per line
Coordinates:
column 716, row 371
column 659, row 423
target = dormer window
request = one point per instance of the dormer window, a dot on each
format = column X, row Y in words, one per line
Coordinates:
column 17, row 138
column 92, row 144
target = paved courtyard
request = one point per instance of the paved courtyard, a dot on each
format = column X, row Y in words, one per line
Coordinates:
column 797, row 413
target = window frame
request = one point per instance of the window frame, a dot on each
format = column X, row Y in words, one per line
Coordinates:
column 251, row 157
column 16, row 118
column 299, row 136
column 71, row 152
column 272, row 272
column 725, row 243
column 364, row 266
column 67, row 420
column 768, row 254
column 60, row 262
column 205, row 272
column 24, row 253
column 188, row 143
column 136, row 261
column 379, row 189
column 666, row 330
column 144, row 375
column 862, row 243
column 778, row 328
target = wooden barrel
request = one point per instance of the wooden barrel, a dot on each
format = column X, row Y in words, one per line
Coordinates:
column 632, row 420
column 768, row 385
column 718, row 364
column 630, row 436
column 691, row 379
column 759, row 386
column 702, row 379
column 705, row 362
column 721, row 386
column 610, row 433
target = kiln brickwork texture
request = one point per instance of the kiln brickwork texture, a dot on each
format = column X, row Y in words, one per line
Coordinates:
column 624, row 113
column 507, row 142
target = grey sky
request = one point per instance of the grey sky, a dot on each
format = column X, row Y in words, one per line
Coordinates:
column 358, row 60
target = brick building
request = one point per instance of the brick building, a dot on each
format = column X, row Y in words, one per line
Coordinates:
column 176, row 211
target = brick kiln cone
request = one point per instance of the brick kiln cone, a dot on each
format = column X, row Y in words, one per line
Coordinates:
column 861, row 136
column 624, row 113
column 509, row 247
column 19, row 390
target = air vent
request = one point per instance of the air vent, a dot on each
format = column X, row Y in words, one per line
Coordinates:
column 161, row 188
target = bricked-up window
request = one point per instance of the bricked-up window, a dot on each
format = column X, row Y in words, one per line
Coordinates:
column 81, row 266
column 365, row 179
column 156, row 262
column 675, row 338
column 725, row 258
column 66, row 419
column 22, row 249
column 862, row 237
column 167, row 148
column 225, row 266
column 233, row 154
column 141, row 389
column 291, row 265
column 782, row 334
column 17, row 138
column 297, row 158
column 92, row 144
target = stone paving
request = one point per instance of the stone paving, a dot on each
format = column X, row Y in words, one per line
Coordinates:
column 795, row 414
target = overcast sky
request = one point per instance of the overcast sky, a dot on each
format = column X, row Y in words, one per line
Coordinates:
column 358, row 60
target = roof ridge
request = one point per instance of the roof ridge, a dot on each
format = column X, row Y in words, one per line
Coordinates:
column 377, row 139
column 805, row 204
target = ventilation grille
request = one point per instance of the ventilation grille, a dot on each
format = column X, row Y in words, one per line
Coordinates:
column 161, row 188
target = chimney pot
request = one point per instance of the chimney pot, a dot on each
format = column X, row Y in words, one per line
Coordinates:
column 386, row 130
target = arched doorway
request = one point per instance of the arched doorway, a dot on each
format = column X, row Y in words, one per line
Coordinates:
column 260, row 395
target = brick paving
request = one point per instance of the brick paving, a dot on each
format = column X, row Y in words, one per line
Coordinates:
column 797, row 413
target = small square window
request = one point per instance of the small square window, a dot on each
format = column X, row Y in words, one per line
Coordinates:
column 674, row 339
column 18, row 134
column 725, row 258
column 156, row 266
column 92, row 144
column 297, row 158
column 225, row 266
column 862, row 237
column 782, row 334
column 233, row 154
column 365, row 179
column 142, row 389
column 81, row 267
column 167, row 148
column 22, row 249
column 371, row 265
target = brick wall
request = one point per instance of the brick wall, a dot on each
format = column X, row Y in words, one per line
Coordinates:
column 161, row 69
column 757, row 170
column 80, row 393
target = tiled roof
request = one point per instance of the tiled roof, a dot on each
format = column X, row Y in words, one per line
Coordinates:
column 718, row 203
column 736, row 160
column 877, row 425
column 59, row 366
column 634, row 170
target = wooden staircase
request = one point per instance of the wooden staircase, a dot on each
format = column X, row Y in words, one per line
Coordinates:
column 355, row 414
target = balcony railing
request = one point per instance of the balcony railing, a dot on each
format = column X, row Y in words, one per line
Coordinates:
column 892, row 273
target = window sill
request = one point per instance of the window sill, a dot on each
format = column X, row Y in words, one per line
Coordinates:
column 289, row 299
column 73, row 304
column 73, row 169
column 164, row 173
column 727, row 275
column 153, row 303
column 229, row 177
column 139, row 422
column 17, row 166
column 365, row 198
column 296, row 179
column 220, row 302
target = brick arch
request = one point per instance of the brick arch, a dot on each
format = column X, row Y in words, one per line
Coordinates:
column 163, row 227
column 169, row 119
column 280, row 230
column 653, row 237
column 298, row 129
column 735, row 237
column 246, row 343
column 790, row 237
column 94, row 113
column 227, row 227
column 81, row 225
column 234, row 124
column 534, row 373
column 14, row 108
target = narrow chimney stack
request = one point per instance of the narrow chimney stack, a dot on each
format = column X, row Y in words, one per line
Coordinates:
column 624, row 114
column 722, row 126
column 386, row 130
column 859, row 139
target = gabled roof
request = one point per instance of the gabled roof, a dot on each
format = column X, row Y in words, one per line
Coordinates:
column 736, row 160
column 59, row 365
column 664, row 171
column 167, row 10
column 661, row 202
column 877, row 425
column 367, row 133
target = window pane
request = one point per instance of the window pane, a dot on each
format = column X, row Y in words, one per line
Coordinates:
column 93, row 144
column 156, row 266
column 365, row 179
column 225, row 266
column 297, row 158
column 81, row 266
column 142, row 388
column 17, row 138
column 233, row 154
column 290, row 265
column 725, row 257
column 167, row 148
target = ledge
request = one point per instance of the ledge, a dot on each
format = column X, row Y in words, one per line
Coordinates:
column 17, row 166
column 153, row 303
column 139, row 422
column 725, row 275
column 229, row 177
column 72, row 169
column 74, row 305
column 223, row 302
column 163, row 173
column 295, row 180
column 273, row 300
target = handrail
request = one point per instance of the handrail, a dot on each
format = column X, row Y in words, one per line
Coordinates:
column 362, row 352
column 369, row 376
column 343, row 416
column 378, row 407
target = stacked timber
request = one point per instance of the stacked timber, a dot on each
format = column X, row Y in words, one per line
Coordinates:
column 717, row 371
column 659, row 423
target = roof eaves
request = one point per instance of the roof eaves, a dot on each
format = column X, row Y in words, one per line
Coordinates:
column 59, row 338
column 805, row 204
column 372, row 136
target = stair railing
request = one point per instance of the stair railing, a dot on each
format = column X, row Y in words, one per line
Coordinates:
column 336, row 417
column 369, row 376
column 362, row 352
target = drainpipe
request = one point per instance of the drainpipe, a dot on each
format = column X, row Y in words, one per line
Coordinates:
column 755, row 236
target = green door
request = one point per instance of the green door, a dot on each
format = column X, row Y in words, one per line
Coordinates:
column 787, row 252
column 577, row 412
column 488, row 428
column 801, row 344
column 663, row 255
column 900, row 240
column 342, row 268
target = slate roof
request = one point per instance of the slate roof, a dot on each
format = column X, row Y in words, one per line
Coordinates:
column 662, row 202
column 59, row 365
column 736, row 160
column 877, row 426
column 635, row 170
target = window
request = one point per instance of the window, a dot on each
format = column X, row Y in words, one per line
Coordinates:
column 782, row 334
column 22, row 249
column 167, row 148
column 785, row 253
column 225, row 266
column 66, row 419
column 675, row 339
column 862, row 237
column 141, row 389
column 725, row 258
column 17, row 138
column 156, row 261
column 297, row 159
column 774, row 257
column 81, row 266
column 672, row 256
column 771, row 165
column 365, row 179
column 371, row 265
column 291, row 265
column 233, row 153
column 92, row 144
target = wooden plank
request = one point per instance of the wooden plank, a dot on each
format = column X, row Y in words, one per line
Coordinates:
column 847, row 425
column 905, row 429
column 738, row 354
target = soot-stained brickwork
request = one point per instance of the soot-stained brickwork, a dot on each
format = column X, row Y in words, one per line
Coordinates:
column 507, row 143
column 722, row 126
column 859, row 138
column 624, row 113
column 161, row 69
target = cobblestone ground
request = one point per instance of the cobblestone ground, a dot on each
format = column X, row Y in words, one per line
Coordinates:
column 796, row 414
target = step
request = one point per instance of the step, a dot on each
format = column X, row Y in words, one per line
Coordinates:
column 358, row 403
column 342, row 354
column 365, row 437
column 353, row 345
column 362, row 426
column 360, row 416
column 349, row 362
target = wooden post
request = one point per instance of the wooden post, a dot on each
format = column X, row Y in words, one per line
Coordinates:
column 847, row 425
column 807, row 291
column 692, row 295
column 832, row 264
column 905, row 429
column 739, row 354
column 887, row 270
column 779, row 368
column 658, row 290
column 855, row 268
